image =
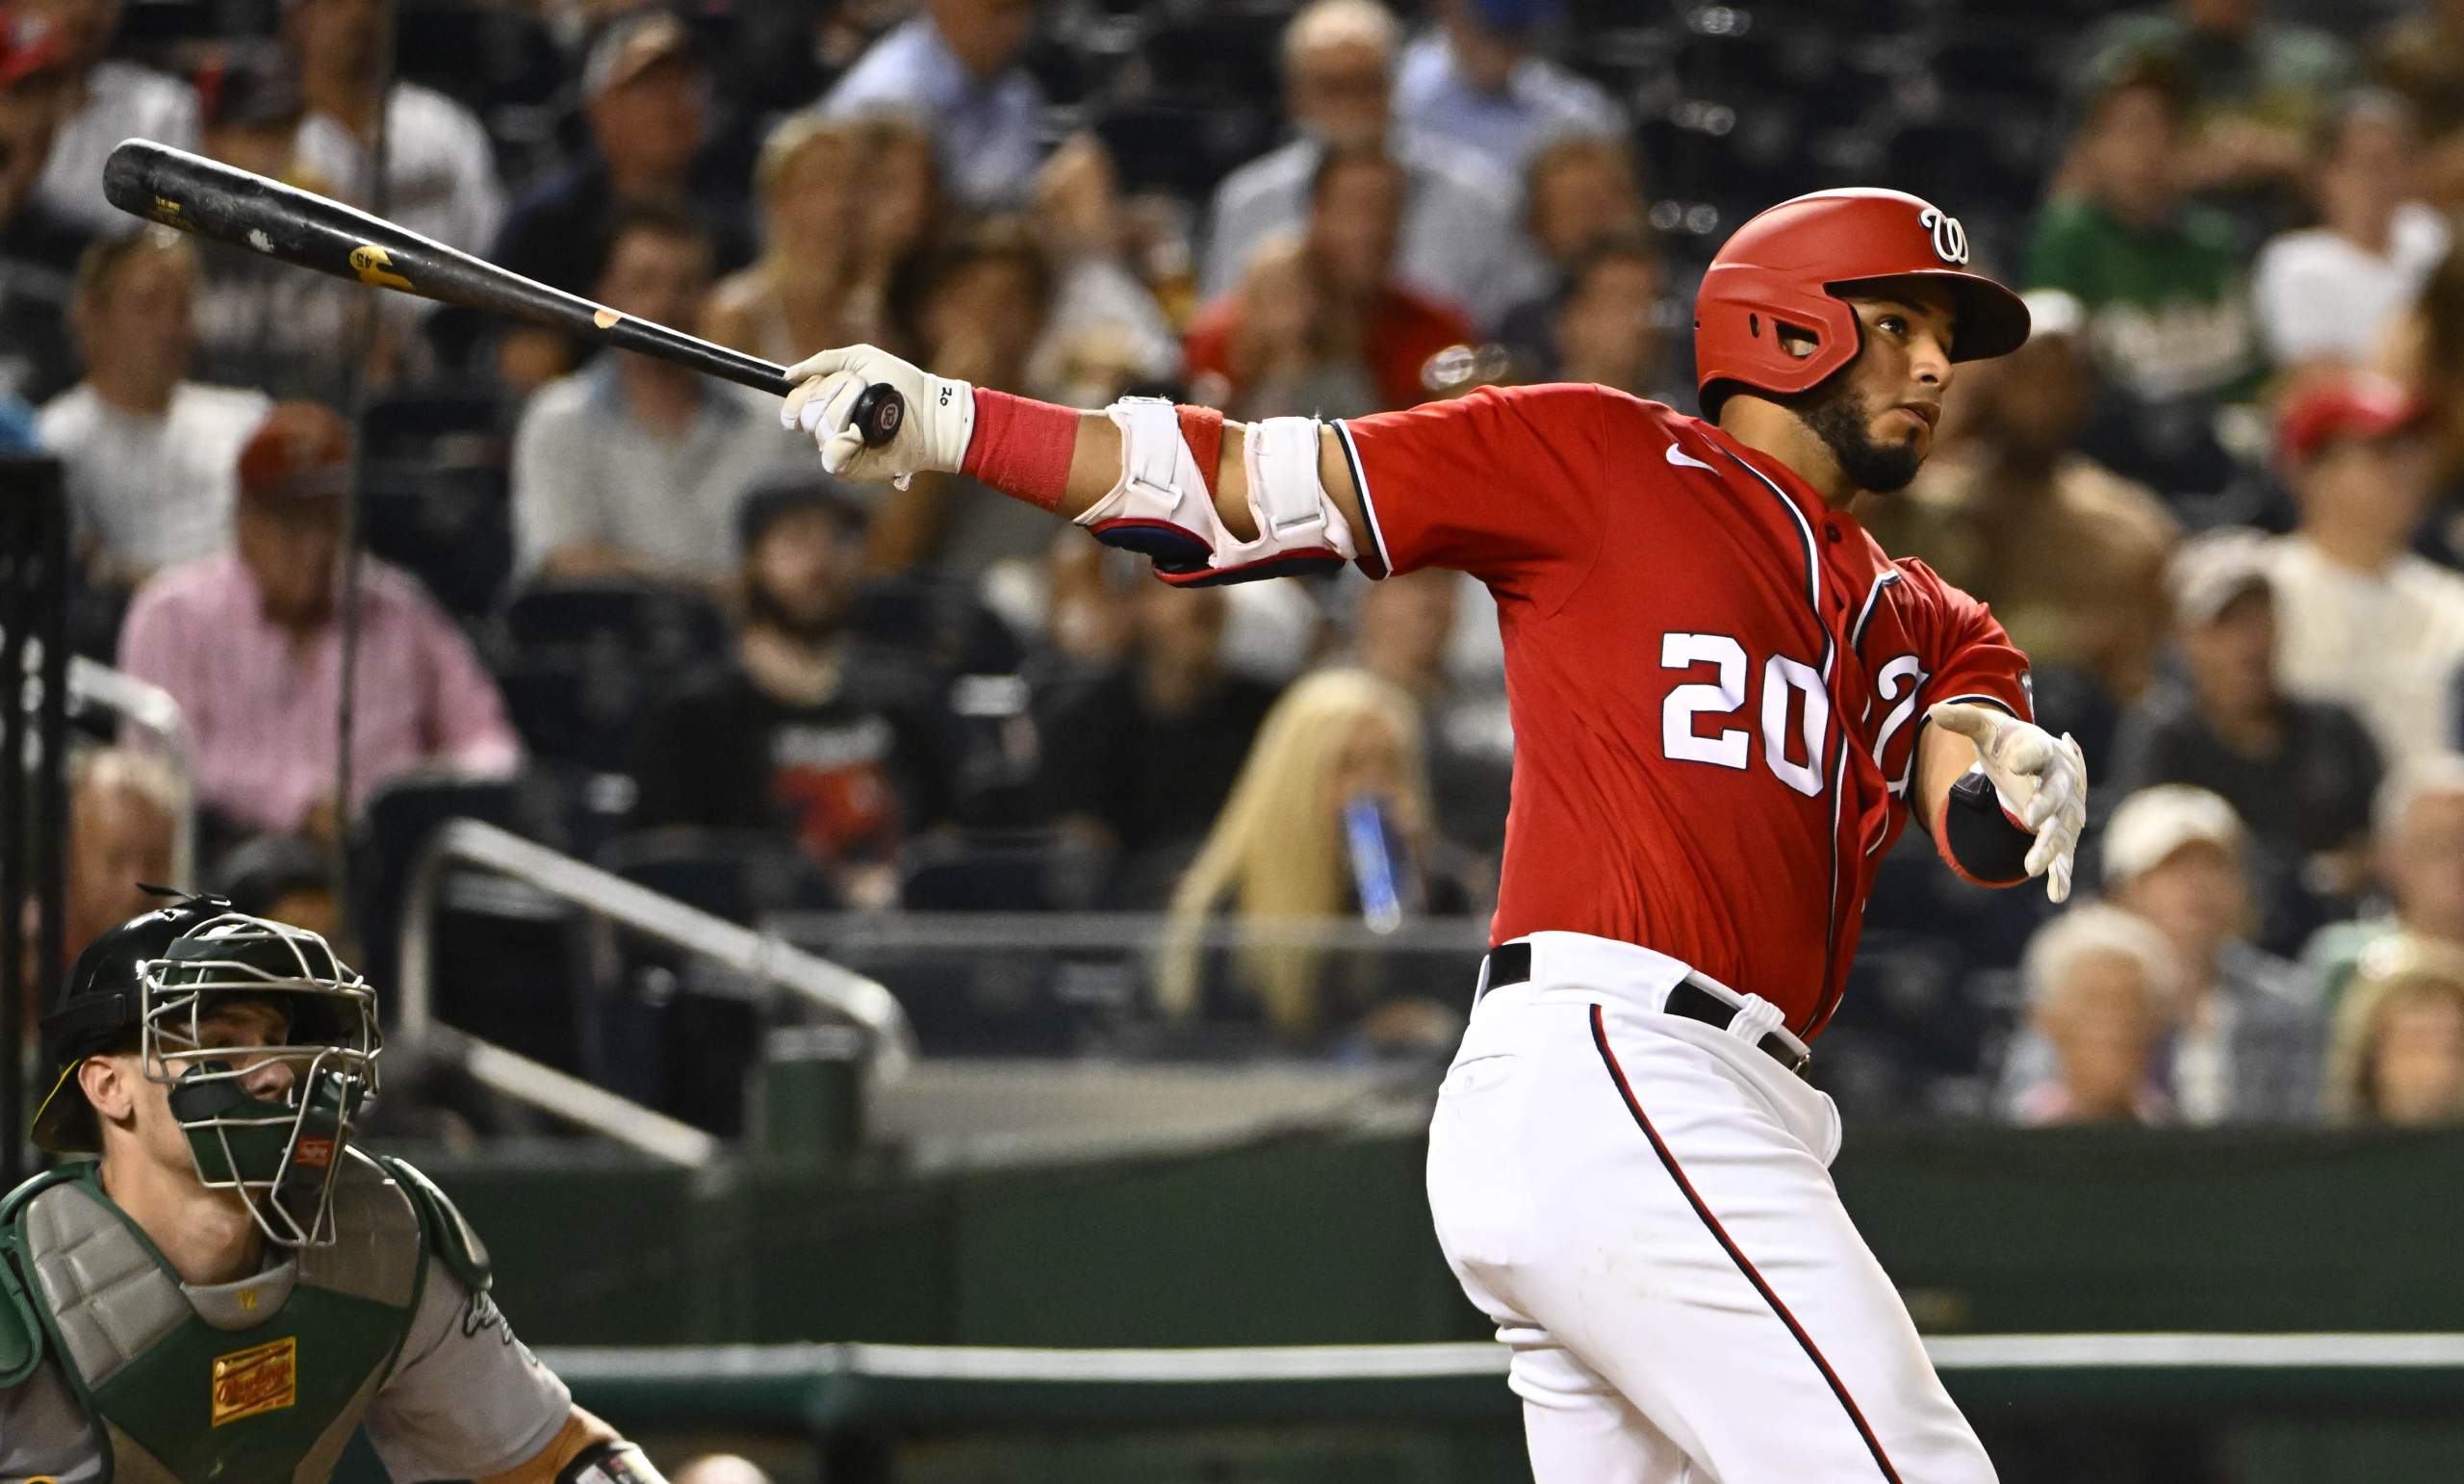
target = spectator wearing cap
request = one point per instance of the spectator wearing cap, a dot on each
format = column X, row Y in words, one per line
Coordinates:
column 2417, row 861
column 2256, row 84
column 1456, row 239
column 2250, row 1032
column 2362, row 621
column 247, row 642
column 800, row 736
column 2070, row 555
column 150, row 458
column 2335, row 292
column 2398, row 1055
column 954, row 66
column 2300, row 774
column 2104, row 994
column 37, row 249
column 104, row 100
column 646, row 95
column 632, row 467
column 2162, row 278
column 1328, row 325
column 1477, row 81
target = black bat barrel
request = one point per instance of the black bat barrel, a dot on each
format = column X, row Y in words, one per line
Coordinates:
column 283, row 222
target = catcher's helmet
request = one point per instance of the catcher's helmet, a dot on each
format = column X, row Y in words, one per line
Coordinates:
column 99, row 1006
column 1788, row 264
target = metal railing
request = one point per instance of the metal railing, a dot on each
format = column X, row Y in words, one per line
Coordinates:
column 1129, row 932
column 762, row 957
column 151, row 711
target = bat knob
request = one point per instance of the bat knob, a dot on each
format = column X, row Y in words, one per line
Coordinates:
column 879, row 412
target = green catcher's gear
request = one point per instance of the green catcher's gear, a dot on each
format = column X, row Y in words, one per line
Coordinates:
column 260, row 1380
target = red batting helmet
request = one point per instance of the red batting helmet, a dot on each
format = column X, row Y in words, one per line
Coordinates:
column 1787, row 266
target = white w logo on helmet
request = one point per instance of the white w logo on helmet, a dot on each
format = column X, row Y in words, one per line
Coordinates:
column 1950, row 239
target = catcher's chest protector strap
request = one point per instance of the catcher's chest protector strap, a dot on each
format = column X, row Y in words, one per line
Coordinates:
column 449, row 1236
column 264, row 1379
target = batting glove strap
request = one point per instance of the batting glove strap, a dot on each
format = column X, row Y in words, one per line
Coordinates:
column 610, row 1462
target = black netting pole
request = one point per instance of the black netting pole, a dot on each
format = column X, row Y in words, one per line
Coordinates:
column 18, row 481
column 34, row 754
column 357, row 391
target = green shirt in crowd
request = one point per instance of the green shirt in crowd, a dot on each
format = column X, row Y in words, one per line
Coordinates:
column 2168, row 309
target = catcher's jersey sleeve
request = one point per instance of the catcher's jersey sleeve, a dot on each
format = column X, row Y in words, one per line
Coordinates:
column 1504, row 484
column 467, row 1399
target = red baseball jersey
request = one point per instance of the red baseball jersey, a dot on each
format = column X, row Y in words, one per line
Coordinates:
column 1716, row 680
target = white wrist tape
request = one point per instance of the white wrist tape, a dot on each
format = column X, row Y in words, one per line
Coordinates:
column 1164, row 506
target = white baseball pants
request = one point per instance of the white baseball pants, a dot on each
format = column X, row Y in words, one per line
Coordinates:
column 1643, row 1203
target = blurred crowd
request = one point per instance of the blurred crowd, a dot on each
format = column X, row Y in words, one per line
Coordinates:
column 603, row 601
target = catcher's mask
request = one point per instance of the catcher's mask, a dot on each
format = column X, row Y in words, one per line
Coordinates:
column 276, row 1139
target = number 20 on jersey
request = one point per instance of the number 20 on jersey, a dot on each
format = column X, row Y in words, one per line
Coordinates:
column 1792, row 691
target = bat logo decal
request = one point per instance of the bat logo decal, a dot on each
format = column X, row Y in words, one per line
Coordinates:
column 373, row 263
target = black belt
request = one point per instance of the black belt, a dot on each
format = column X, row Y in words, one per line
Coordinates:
column 1510, row 963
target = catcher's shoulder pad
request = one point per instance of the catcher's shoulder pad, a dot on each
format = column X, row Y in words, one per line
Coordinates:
column 21, row 1331
column 449, row 1238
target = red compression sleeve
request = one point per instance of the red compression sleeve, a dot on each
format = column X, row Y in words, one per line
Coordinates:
column 1022, row 448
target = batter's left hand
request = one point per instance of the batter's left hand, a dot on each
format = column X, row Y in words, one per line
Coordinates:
column 2041, row 780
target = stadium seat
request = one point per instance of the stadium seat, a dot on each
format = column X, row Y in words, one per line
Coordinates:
column 742, row 876
column 433, row 494
column 575, row 708
column 503, row 956
column 676, row 1031
column 1023, row 871
column 657, row 628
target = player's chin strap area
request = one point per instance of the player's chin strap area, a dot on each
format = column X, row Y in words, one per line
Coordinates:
column 610, row 1462
column 1164, row 506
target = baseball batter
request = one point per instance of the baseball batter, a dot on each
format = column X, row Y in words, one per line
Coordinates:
column 226, row 1290
column 1726, row 703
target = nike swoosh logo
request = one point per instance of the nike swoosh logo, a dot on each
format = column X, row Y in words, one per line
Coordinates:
column 1684, row 460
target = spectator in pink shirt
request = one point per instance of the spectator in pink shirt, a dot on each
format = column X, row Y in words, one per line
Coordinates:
column 247, row 642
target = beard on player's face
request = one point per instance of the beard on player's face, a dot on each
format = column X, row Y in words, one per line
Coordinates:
column 1844, row 419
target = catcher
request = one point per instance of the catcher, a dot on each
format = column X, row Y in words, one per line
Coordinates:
column 221, row 1287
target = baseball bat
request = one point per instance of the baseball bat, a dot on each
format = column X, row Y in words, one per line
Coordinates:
column 291, row 225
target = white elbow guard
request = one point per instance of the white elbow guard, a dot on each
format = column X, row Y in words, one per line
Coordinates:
column 1164, row 506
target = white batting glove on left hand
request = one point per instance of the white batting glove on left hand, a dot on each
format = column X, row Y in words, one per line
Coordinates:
column 940, row 422
column 2041, row 780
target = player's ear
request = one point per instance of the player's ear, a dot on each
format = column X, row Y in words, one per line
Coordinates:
column 1795, row 342
column 108, row 1083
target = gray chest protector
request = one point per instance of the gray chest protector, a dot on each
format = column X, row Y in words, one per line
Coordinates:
column 256, row 1382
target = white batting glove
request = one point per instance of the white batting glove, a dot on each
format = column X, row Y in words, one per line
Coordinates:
column 2043, row 781
column 940, row 414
